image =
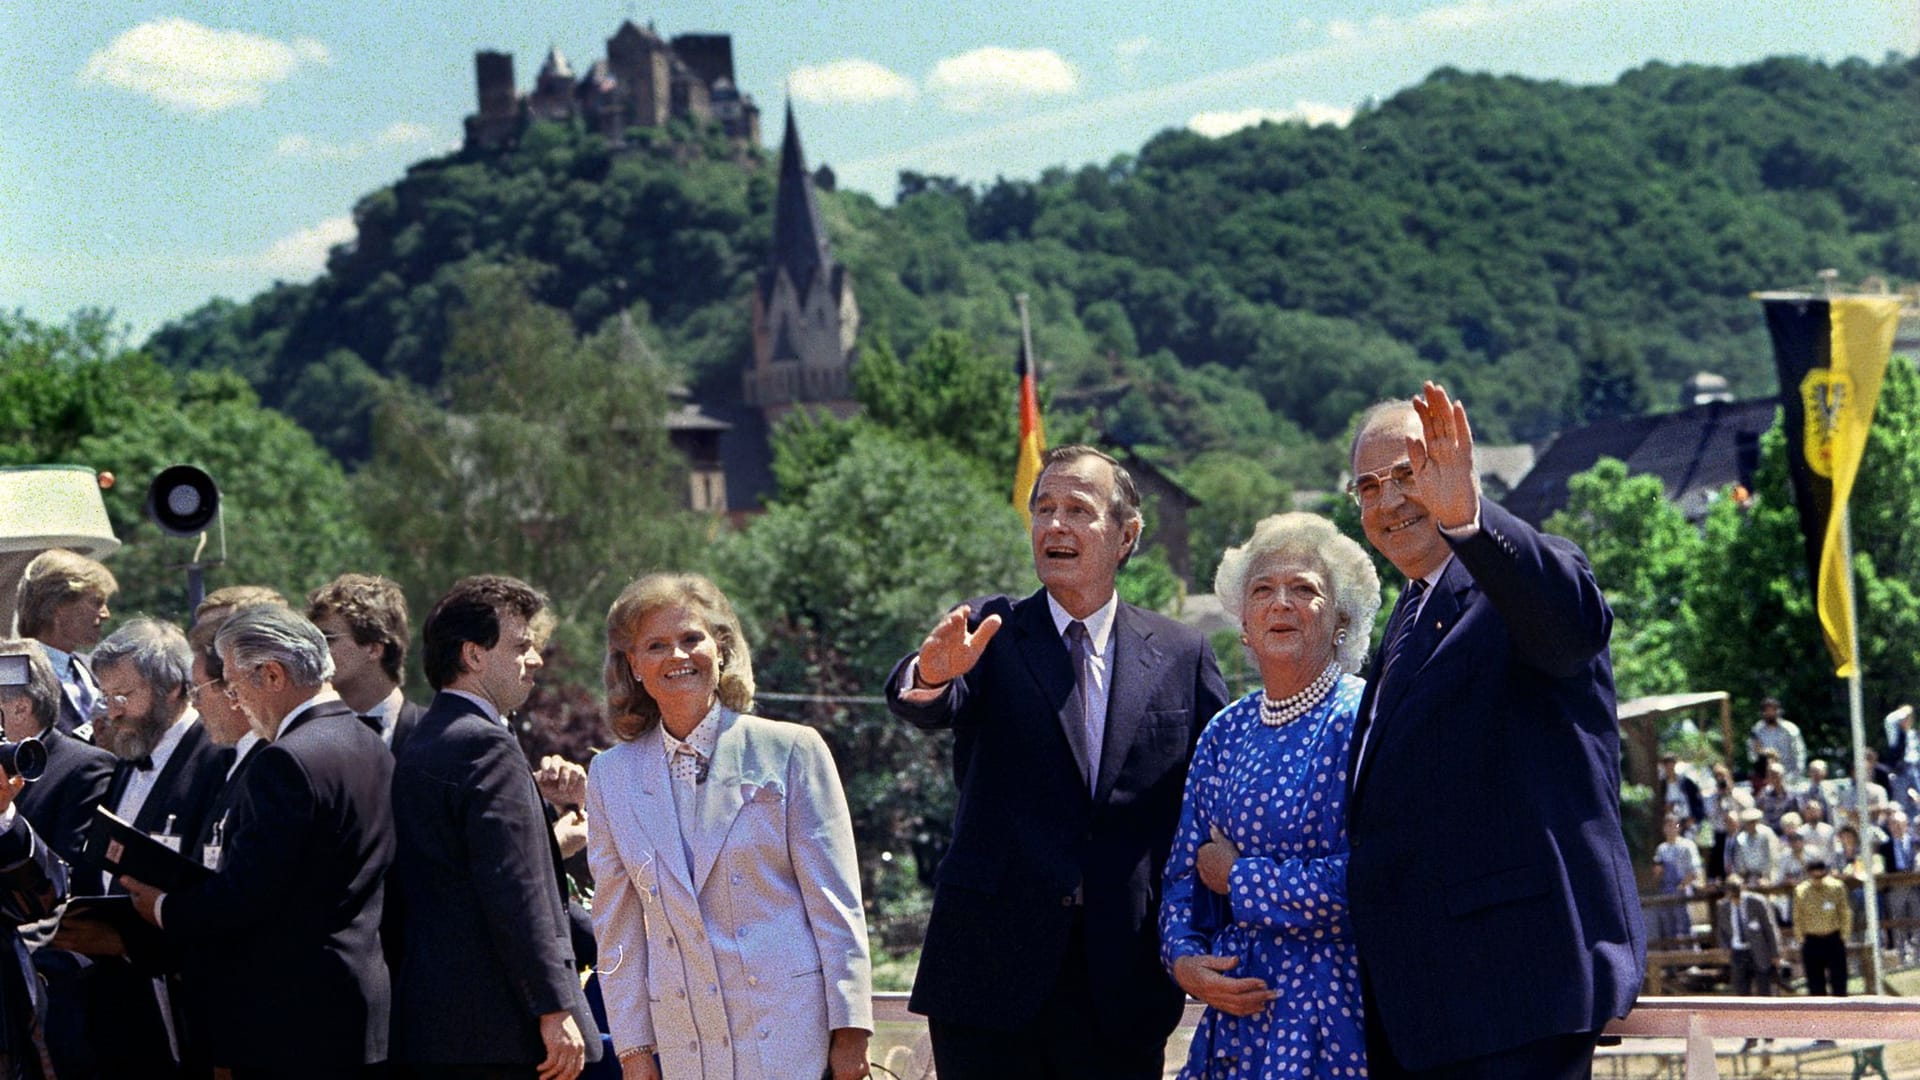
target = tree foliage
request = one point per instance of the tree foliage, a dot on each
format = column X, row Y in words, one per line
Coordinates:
column 538, row 454
column 76, row 394
column 1554, row 252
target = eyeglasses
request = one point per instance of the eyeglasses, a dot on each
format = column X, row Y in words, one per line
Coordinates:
column 1368, row 487
column 194, row 691
column 106, row 703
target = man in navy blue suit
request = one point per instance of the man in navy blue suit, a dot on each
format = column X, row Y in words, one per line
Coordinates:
column 1490, row 713
column 1073, row 717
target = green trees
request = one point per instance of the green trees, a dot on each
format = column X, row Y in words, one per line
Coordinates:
column 1645, row 555
column 1729, row 606
column 1553, row 252
column 881, row 524
column 538, row 454
column 76, row 394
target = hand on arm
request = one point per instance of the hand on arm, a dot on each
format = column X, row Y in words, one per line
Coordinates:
column 566, row 1050
column 1204, row 978
column 1215, row 860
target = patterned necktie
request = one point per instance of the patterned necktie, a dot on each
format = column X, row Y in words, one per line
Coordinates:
column 1085, row 733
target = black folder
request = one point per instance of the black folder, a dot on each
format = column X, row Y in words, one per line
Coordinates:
column 121, row 850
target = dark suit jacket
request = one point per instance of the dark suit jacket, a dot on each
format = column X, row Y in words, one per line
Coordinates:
column 60, row 804
column 33, row 881
column 484, row 949
column 1497, row 724
column 220, row 810
column 1029, row 838
column 293, row 917
column 1755, row 910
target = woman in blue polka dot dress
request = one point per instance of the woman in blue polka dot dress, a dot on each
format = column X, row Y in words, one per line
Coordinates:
column 1253, row 918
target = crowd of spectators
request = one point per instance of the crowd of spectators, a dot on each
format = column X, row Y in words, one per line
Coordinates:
column 1787, row 849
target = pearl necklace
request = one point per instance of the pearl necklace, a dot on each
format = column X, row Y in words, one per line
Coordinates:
column 1275, row 713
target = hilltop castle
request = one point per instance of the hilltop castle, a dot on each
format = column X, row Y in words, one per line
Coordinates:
column 644, row 81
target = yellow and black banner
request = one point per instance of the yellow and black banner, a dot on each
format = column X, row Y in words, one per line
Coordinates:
column 1831, row 353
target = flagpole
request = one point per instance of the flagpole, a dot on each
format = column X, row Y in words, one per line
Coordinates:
column 1861, row 778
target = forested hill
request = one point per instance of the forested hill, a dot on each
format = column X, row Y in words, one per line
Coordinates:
column 1558, row 253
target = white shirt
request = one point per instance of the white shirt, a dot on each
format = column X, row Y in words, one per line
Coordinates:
column 389, row 713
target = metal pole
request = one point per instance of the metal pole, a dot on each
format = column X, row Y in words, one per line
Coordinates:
column 1861, row 778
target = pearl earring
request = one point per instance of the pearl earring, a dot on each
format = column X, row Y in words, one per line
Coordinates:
column 1340, row 638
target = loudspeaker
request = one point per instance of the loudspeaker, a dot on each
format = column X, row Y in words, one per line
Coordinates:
column 183, row 500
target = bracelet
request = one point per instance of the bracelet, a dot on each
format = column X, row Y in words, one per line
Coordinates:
column 635, row 1051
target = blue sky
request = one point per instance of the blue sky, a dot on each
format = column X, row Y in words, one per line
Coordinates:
column 155, row 156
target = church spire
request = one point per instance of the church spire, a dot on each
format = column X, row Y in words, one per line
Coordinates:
column 799, row 236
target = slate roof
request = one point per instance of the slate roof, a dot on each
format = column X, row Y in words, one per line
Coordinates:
column 1696, row 452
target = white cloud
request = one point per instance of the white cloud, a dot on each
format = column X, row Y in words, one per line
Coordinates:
column 1312, row 113
column 306, row 148
column 198, row 69
column 992, row 75
column 1390, row 53
column 1132, row 48
column 849, row 82
column 1464, row 16
column 404, row 133
column 299, row 254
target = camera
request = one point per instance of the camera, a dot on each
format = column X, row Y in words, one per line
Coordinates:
column 27, row 758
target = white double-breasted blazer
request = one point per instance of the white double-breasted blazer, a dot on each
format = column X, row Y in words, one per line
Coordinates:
column 738, row 962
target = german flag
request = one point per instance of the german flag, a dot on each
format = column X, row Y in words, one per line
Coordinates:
column 1831, row 353
column 1033, row 440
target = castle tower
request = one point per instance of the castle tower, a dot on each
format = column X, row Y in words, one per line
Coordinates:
column 552, row 97
column 498, row 120
column 643, row 66
column 805, row 318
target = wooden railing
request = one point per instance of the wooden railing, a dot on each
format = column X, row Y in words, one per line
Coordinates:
column 1696, row 1021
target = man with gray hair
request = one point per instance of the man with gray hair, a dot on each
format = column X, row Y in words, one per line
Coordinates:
column 60, row 803
column 290, row 923
column 108, row 1019
column 169, row 770
column 62, row 604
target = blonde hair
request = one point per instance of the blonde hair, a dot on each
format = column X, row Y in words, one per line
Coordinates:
column 1356, row 587
column 631, row 711
column 54, row 577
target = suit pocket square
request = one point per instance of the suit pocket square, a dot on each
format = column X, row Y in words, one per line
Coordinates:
column 767, row 791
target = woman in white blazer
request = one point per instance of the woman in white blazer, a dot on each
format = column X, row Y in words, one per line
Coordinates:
column 727, row 899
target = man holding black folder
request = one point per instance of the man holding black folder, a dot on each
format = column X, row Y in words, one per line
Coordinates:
column 293, row 915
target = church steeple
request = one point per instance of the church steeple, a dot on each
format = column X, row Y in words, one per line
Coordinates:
column 805, row 318
column 799, row 237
